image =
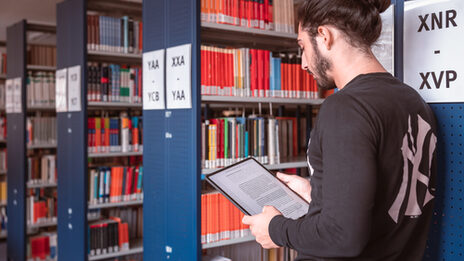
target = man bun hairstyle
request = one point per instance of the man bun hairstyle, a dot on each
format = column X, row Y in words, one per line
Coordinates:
column 359, row 20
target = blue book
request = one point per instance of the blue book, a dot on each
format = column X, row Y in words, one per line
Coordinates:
column 126, row 33
column 278, row 75
column 101, row 191
column 272, row 75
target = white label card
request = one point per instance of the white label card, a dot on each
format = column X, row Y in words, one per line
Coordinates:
column 61, row 90
column 74, row 88
column 178, row 77
column 17, row 102
column 9, row 104
column 153, row 80
column 433, row 40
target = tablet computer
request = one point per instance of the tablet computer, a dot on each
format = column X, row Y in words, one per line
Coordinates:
column 250, row 187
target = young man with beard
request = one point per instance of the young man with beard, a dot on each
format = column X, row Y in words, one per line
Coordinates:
column 371, row 154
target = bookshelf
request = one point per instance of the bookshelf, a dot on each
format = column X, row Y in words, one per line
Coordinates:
column 74, row 128
column 19, row 188
column 183, row 144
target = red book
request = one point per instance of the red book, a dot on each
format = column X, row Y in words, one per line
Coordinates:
column 140, row 36
column 128, row 181
column 216, row 68
column 250, row 12
column 255, row 13
column 231, row 71
column 254, row 72
column 260, row 73
column 266, row 73
column 243, row 13
column 270, row 15
column 203, row 219
column 290, row 78
column 261, row 14
column 283, row 77
column 203, row 70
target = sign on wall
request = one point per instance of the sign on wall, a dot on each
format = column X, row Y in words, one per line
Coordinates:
column 153, row 80
column 433, row 49
column 178, row 77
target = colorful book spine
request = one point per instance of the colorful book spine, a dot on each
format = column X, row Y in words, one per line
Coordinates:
column 41, row 131
column 220, row 219
column 114, row 34
column 275, row 15
column 114, row 83
column 115, row 184
column 254, row 73
column 43, row 247
column 42, row 170
column 40, row 89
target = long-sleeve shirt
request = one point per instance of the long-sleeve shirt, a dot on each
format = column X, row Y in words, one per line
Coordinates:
column 373, row 158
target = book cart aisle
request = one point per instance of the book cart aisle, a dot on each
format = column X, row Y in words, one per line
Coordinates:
column 99, row 107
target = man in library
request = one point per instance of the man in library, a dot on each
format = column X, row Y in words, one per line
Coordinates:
column 371, row 155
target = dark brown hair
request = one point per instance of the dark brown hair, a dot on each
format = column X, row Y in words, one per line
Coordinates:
column 358, row 19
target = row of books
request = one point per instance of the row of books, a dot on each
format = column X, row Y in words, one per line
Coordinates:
column 114, row 83
column 3, row 220
column 108, row 236
column 2, row 128
column 220, row 219
column 43, row 247
column 2, row 63
column 3, row 162
column 42, row 170
column 248, row 72
column 43, row 55
column 41, row 206
column 114, row 34
column 276, row 15
column 269, row 140
column 115, row 184
column 3, row 194
column 40, row 88
column 122, row 228
column 115, row 134
column 41, row 130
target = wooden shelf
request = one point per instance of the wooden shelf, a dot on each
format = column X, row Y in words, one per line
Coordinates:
column 298, row 163
column 135, row 248
column 115, row 154
column 231, row 35
column 41, row 68
column 41, row 185
column 241, row 100
column 41, row 146
column 113, row 105
column 115, row 205
column 115, row 57
column 229, row 242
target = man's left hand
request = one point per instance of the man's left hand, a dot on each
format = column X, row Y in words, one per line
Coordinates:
column 259, row 226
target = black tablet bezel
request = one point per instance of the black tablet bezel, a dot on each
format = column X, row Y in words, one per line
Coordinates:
column 208, row 178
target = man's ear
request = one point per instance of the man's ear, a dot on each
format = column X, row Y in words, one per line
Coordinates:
column 326, row 36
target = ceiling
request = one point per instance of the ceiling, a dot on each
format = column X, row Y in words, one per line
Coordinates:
column 13, row 11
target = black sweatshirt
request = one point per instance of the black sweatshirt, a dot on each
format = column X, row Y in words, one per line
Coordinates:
column 373, row 158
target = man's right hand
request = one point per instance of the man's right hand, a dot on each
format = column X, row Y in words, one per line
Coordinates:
column 298, row 184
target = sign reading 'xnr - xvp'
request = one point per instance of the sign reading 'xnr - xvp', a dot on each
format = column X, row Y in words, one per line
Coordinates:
column 433, row 40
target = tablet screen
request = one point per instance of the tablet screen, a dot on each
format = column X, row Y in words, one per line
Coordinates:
column 250, row 186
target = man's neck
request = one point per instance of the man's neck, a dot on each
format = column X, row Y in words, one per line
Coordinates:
column 350, row 66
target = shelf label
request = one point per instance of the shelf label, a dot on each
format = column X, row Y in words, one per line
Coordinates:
column 9, row 96
column 13, row 95
column 153, row 80
column 61, row 97
column 178, row 77
column 431, row 64
column 74, row 88
column 17, row 101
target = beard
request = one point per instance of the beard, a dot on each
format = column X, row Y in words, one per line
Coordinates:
column 321, row 65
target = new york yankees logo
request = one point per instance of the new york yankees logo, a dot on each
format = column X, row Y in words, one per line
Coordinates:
column 413, row 154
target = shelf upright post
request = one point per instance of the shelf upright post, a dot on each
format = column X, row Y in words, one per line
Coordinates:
column 72, row 134
column 16, row 145
column 172, row 149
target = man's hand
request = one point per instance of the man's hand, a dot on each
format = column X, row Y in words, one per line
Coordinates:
column 298, row 184
column 259, row 226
